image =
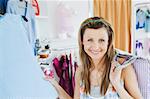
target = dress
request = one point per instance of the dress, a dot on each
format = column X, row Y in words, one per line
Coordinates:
column 25, row 9
column 20, row 75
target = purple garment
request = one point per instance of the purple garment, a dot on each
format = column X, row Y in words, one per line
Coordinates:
column 71, row 67
column 62, row 69
column 73, row 79
column 68, row 81
column 57, row 67
column 142, row 69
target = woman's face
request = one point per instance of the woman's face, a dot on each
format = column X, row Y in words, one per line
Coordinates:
column 95, row 43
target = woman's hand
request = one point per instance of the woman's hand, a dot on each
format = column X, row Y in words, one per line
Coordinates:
column 61, row 92
column 115, row 74
column 51, row 80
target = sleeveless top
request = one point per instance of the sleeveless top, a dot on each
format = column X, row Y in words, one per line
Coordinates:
column 123, row 59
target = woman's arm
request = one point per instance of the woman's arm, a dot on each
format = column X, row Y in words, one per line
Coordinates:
column 131, row 84
column 130, row 90
column 77, row 83
column 61, row 92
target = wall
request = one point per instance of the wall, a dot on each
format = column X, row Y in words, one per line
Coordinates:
column 52, row 15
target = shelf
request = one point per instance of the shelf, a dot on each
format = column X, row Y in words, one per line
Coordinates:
column 141, row 34
column 62, row 44
column 42, row 17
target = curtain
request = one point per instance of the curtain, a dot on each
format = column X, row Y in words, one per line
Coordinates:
column 118, row 14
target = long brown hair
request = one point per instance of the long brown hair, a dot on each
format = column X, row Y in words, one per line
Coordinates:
column 86, row 61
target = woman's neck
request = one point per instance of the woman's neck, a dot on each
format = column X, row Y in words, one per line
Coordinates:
column 99, row 63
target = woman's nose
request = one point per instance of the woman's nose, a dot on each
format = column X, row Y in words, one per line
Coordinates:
column 96, row 45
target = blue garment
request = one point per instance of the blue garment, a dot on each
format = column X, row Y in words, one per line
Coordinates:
column 3, row 4
column 17, row 7
column 140, row 19
column 20, row 75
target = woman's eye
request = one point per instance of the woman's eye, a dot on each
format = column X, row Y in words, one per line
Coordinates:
column 101, row 40
column 89, row 40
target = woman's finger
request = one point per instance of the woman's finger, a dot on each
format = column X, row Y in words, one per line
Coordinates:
column 113, row 66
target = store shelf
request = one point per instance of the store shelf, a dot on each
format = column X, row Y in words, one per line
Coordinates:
column 42, row 17
column 141, row 34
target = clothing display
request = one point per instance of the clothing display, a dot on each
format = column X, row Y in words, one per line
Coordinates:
column 25, row 9
column 39, row 51
column 141, row 20
column 147, row 23
column 66, row 72
column 20, row 75
column 141, row 17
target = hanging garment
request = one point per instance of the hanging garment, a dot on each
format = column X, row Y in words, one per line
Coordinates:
column 57, row 67
column 140, row 19
column 62, row 67
column 3, row 4
column 139, row 48
column 147, row 24
column 68, row 77
column 142, row 68
column 20, row 75
column 71, row 72
column 64, row 79
column 25, row 9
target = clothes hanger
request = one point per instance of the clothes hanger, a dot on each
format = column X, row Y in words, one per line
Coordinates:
column 24, row 16
column 25, row 19
column 26, row 5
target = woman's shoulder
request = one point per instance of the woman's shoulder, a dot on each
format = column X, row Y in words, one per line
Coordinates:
column 123, row 58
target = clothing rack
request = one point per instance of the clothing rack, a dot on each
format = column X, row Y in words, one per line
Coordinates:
column 56, row 52
column 63, row 49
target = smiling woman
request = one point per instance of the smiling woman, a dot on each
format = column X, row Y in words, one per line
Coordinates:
column 95, row 45
column 100, row 74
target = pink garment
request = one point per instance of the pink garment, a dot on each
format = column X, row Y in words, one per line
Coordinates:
column 62, row 68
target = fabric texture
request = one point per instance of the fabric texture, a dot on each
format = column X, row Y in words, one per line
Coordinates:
column 142, row 69
column 63, row 69
column 3, row 4
column 19, row 8
column 20, row 75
